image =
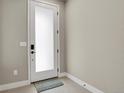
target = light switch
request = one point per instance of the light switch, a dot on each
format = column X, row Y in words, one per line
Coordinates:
column 23, row 44
column 15, row 72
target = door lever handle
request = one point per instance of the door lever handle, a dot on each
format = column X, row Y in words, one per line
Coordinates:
column 32, row 52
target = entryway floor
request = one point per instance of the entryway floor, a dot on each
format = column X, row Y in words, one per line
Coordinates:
column 68, row 87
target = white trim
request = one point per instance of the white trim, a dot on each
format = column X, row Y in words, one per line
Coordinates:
column 62, row 74
column 14, row 85
column 58, row 43
column 84, row 84
column 46, row 2
column 29, row 62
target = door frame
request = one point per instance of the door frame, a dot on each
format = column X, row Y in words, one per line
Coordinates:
column 29, row 38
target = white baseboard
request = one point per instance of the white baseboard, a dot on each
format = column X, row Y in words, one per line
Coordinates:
column 83, row 84
column 14, row 85
column 62, row 74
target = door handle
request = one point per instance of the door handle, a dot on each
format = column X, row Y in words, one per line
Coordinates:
column 32, row 52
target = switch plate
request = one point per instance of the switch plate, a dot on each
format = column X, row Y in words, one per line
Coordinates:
column 15, row 72
column 23, row 44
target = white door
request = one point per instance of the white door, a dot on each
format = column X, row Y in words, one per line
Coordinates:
column 43, row 33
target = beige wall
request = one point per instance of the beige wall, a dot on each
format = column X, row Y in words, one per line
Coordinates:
column 13, row 29
column 95, row 43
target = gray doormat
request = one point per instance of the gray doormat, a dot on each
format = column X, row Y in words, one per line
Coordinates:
column 48, row 84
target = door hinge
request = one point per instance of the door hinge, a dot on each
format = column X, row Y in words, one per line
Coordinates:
column 57, row 69
column 57, row 31
column 57, row 50
column 57, row 13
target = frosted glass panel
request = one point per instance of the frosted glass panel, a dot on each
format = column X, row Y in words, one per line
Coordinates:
column 44, row 39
